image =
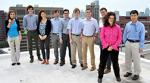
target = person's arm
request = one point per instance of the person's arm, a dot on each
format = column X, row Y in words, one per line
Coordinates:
column 48, row 28
column 6, row 26
column 102, row 38
column 119, row 39
column 142, row 37
column 96, row 29
column 19, row 29
column 125, row 34
column 69, row 27
column 60, row 31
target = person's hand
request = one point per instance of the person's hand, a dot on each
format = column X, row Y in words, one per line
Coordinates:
column 71, row 41
column 40, row 37
column 140, row 50
column 110, row 48
column 44, row 37
column 9, row 20
column 94, row 38
column 61, row 41
column 81, row 37
column 20, row 37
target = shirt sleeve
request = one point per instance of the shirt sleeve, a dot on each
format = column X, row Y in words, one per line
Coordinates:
column 125, row 35
column 69, row 26
column 60, row 29
column 142, row 36
column 24, row 23
column 102, row 38
column 119, row 39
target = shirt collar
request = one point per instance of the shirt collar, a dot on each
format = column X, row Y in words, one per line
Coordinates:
column 131, row 23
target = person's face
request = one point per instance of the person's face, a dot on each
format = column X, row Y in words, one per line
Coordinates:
column 56, row 14
column 77, row 14
column 134, row 17
column 88, row 13
column 66, row 14
column 30, row 11
column 111, row 20
column 43, row 15
column 103, row 13
column 12, row 15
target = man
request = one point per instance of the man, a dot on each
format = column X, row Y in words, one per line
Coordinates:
column 89, row 32
column 75, row 28
column 133, row 37
column 65, row 38
column 56, row 33
column 103, row 12
column 30, row 26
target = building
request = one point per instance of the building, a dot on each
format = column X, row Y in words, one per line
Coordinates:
column 147, row 12
column 95, row 9
column 117, row 15
column 21, row 11
column 141, row 14
column 82, row 14
column 144, row 19
column 2, row 25
column 127, row 13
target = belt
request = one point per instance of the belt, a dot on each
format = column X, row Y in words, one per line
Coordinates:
column 88, row 36
column 133, row 41
column 76, row 34
column 55, row 33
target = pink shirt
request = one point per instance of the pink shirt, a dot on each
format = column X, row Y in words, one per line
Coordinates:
column 111, row 36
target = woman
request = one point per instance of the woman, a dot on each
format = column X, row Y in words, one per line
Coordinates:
column 44, row 29
column 14, row 37
column 111, row 37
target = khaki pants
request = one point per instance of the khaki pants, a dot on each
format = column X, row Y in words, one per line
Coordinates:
column 76, row 43
column 88, row 42
column 132, row 53
column 14, row 44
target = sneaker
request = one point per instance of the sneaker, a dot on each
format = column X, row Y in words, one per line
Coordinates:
column 84, row 67
column 73, row 66
column 40, row 59
column 127, row 74
column 13, row 64
column 135, row 77
column 55, row 62
column 18, row 63
column 92, row 69
column 106, row 71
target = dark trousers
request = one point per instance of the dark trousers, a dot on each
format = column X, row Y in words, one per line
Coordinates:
column 103, row 59
column 108, row 63
column 63, row 47
column 44, row 44
column 33, row 35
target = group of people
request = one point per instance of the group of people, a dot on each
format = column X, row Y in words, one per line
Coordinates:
column 79, row 34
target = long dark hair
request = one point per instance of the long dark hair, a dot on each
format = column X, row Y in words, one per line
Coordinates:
column 11, row 11
column 39, row 16
column 106, row 19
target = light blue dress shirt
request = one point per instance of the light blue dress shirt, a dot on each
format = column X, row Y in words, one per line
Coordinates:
column 65, row 24
column 90, row 27
column 30, row 22
column 57, row 26
column 75, row 26
column 134, row 31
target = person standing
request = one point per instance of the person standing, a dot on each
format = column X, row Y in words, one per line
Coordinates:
column 44, row 28
column 133, row 37
column 103, row 12
column 56, row 33
column 111, row 37
column 65, row 38
column 14, row 37
column 30, row 26
column 89, row 33
column 75, row 28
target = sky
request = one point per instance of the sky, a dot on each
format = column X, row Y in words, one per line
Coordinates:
column 111, row 5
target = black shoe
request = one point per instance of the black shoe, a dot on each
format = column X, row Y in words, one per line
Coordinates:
column 62, row 63
column 18, row 63
column 118, row 79
column 31, row 60
column 13, row 64
column 85, row 67
column 40, row 59
column 135, row 77
column 127, row 74
column 55, row 62
column 99, row 80
column 73, row 66
column 81, row 65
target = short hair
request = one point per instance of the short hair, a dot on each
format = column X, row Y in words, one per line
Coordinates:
column 89, row 9
column 30, row 6
column 55, row 11
column 65, row 10
column 76, row 10
column 106, row 19
column 103, row 8
column 134, row 12
column 11, row 11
